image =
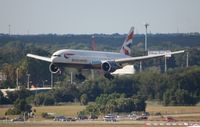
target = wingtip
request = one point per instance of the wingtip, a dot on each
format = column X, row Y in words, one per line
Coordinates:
column 28, row 55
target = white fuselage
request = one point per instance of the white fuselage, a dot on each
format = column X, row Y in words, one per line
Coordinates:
column 84, row 58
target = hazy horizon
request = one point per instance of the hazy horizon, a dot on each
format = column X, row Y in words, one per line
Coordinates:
column 98, row 16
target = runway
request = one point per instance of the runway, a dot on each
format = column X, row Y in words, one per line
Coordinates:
column 98, row 122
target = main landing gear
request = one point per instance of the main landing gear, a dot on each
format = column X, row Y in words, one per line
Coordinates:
column 108, row 76
column 80, row 77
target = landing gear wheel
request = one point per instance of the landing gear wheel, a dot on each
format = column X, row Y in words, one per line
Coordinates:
column 108, row 76
column 80, row 77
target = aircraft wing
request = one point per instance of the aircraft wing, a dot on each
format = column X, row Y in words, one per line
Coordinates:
column 141, row 58
column 39, row 57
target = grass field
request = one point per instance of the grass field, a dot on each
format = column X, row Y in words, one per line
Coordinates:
column 72, row 109
column 173, row 109
column 67, row 110
column 3, row 110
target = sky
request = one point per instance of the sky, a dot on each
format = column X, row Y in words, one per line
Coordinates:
column 98, row 16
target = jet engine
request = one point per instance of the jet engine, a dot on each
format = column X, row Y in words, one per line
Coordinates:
column 53, row 68
column 109, row 66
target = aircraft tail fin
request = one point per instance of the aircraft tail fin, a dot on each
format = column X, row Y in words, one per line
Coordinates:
column 126, row 47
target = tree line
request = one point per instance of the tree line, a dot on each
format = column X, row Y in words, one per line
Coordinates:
column 178, row 86
column 154, row 40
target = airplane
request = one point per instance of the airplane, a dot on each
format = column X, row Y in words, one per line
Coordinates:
column 108, row 62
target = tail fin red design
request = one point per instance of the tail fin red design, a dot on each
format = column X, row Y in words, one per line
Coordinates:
column 126, row 47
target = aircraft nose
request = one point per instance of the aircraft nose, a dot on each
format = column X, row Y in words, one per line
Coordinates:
column 54, row 58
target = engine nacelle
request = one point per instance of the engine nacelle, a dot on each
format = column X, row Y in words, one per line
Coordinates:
column 109, row 66
column 53, row 68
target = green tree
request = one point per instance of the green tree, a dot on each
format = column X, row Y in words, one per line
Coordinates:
column 20, row 106
column 3, row 100
column 9, row 71
column 18, row 94
column 92, row 88
column 44, row 99
column 67, row 93
column 84, row 99
column 92, row 109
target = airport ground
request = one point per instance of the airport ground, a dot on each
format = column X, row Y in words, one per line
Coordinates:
column 180, row 113
column 82, row 125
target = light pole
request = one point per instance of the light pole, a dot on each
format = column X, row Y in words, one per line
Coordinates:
column 71, row 78
column 187, row 59
column 93, row 47
column 28, row 85
column 43, row 81
column 17, row 80
column 145, row 45
column 9, row 27
column 140, row 66
column 51, row 80
column 165, row 63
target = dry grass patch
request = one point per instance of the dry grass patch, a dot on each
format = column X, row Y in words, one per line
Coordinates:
column 67, row 110
column 173, row 109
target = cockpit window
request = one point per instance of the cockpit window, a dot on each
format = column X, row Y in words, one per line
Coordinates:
column 57, row 55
